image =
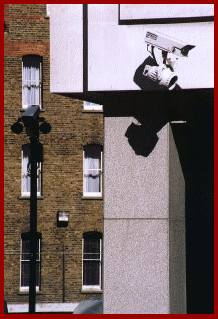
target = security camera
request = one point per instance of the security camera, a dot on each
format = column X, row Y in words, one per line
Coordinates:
column 161, row 74
column 164, row 54
column 168, row 44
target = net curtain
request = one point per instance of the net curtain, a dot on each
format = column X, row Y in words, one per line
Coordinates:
column 31, row 80
column 26, row 172
column 25, row 176
column 92, row 169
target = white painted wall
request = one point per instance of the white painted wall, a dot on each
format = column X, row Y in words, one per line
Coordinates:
column 115, row 51
column 66, row 34
column 156, row 11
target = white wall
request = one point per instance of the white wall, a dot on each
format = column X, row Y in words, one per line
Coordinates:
column 115, row 51
column 66, row 34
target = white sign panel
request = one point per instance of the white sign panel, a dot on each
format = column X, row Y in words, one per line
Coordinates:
column 161, row 11
column 94, row 50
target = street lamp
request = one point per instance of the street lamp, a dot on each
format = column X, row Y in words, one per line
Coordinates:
column 30, row 120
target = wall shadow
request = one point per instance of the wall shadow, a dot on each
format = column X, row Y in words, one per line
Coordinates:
column 141, row 140
column 195, row 146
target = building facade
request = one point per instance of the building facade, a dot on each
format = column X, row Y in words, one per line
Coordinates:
column 153, row 64
column 69, row 176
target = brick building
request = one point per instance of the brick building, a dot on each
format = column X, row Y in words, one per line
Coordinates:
column 69, row 175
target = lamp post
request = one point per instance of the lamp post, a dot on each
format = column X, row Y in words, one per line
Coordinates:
column 31, row 119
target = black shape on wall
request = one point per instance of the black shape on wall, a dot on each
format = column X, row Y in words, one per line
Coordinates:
column 142, row 141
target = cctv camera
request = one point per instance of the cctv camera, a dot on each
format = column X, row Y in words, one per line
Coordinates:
column 162, row 75
column 168, row 44
column 164, row 53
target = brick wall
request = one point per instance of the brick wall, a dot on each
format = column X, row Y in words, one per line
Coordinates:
column 27, row 32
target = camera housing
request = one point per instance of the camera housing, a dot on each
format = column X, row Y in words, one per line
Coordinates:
column 168, row 44
column 159, row 68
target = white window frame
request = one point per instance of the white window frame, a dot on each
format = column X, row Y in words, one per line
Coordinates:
column 26, row 288
column 25, row 106
column 93, row 194
column 39, row 177
column 89, row 106
column 93, row 287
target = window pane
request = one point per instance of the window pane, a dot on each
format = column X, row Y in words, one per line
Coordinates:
column 25, row 271
column 93, row 151
column 31, row 80
column 91, row 272
column 25, row 250
column 91, row 245
column 92, row 169
column 91, row 249
column 48, row 10
column 25, row 263
column 39, row 178
column 25, row 171
column 37, row 274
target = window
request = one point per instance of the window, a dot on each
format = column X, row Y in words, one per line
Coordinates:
column 88, row 106
column 25, row 262
column 26, row 171
column 47, row 10
column 92, row 261
column 31, row 81
column 92, row 171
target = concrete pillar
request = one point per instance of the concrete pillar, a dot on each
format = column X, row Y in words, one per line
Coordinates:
column 144, row 224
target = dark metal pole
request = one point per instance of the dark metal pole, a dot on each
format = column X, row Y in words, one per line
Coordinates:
column 64, row 272
column 33, row 223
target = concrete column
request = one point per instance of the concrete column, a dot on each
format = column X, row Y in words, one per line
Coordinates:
column 144, row 225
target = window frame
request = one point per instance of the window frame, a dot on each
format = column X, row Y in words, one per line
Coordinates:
column 39, row 175
column 47, row 10
column 26, row 236
column 92, row 287
column 25, row 106
column 93, row 194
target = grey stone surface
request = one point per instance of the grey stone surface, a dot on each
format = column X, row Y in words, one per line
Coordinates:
column 134, row 186
column 136, row 266
column 144, row 225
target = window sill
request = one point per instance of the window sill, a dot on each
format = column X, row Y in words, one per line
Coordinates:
column 47, row 17
column 40, row 110
column 83, row 291
column 28, row 197
column 92, row 197
column 27, row 292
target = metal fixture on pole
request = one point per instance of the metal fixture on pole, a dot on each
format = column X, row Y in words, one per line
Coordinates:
column 31, row 119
